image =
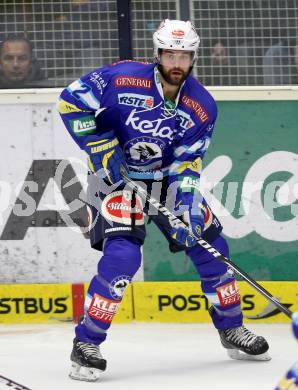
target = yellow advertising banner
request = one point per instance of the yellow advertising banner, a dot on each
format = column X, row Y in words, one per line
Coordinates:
column 35, row 303
column 185, row 302
column 42, row 303
column 125, row 312
column 178, row 302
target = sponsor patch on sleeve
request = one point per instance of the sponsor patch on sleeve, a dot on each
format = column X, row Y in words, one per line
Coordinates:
column 190, row 184
column 84, row 125
column 196, row 107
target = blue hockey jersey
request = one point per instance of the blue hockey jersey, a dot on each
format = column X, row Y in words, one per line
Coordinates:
column 158, row 136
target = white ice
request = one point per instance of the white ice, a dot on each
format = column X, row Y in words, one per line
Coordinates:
column 144, row 356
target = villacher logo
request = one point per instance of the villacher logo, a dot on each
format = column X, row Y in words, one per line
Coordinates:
column 117, row 207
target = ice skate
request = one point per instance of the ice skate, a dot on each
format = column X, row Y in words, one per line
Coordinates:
column 87, row 362
column 242, row 344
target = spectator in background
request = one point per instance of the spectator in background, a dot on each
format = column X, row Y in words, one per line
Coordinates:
column 221, row 65
column 18, row 67
column 78, row 32
column 280, row 28
column 233, row 30
column 280, row 64
column 250, row 42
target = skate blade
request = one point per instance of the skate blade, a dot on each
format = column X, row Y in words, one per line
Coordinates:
column 239, row 355
column 82, row 373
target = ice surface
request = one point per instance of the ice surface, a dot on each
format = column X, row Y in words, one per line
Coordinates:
column 144, row 356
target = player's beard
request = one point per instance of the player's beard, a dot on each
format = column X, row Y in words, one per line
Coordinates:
column 171, row 77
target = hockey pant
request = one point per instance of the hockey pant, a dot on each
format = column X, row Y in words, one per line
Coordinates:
column 119, row 263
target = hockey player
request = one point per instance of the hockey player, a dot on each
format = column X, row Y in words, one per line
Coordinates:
column 156, row 121
column 290, row 380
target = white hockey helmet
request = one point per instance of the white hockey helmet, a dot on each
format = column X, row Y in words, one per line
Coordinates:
column 176, row 35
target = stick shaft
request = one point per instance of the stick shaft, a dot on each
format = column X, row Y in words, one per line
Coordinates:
column 11, row 384
column 176, row 222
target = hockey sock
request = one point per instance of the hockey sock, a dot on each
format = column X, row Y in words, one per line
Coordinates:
column 219, row 285
column 120, row 261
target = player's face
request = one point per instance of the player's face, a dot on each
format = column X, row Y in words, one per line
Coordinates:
column 175, row 65
column 15, row 60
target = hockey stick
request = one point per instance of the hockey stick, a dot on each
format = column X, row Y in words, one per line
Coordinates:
column 11, row 384
column 176, row 222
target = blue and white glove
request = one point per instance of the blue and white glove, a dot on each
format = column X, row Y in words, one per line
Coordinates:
column 194, row 219
column 106, row 157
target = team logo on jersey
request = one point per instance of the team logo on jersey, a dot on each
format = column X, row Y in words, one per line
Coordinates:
column 144, row 151
column 195, row 106
column 135, row 82
column 117, row 207
column 118, row 286
column 135, row 100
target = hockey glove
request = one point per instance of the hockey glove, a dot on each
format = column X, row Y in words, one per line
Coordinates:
column 106, row 157
column 194, row 218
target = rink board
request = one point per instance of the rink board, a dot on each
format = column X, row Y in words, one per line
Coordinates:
column 184, row 302
column 44, row 303
column 35, row 303
column 180, row 302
